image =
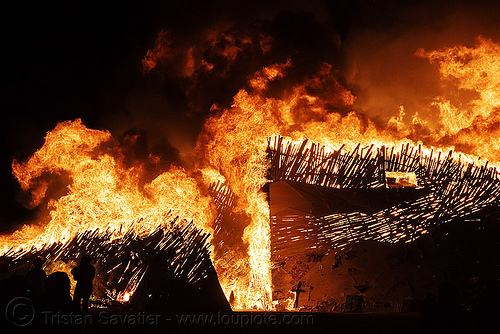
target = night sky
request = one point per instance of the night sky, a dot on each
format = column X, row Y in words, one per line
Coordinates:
column 64, row 60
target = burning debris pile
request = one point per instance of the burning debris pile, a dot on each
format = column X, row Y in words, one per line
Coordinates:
column 156, row 271
column 447, row 188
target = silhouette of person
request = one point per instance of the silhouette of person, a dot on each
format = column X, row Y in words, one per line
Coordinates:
column 84, row 275
column 57, row 294
column 36, row 276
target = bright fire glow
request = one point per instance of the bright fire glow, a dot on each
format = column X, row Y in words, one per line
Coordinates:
column 124, row 298
column 96, row 189
column 101, row 193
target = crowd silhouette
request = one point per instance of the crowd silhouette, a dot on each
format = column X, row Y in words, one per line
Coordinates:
column 444, row 313
column 47, row 294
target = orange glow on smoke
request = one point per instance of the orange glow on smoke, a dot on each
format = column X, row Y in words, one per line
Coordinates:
column 160, row 53
column 469, row 109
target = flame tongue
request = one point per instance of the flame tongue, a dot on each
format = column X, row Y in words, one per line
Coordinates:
column 258, row 236
column 103, row 193
column 469, row 106
column 235, row 145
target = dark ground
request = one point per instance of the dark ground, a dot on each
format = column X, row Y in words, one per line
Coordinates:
column 113, row 321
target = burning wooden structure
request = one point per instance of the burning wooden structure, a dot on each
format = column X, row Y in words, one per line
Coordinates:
column 352, row 200
column 323, row 203
column 344, row 223
column 167, row 269
column 325, row 206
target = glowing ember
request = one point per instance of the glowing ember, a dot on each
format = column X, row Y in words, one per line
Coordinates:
column 124, row 298
column 401, row 179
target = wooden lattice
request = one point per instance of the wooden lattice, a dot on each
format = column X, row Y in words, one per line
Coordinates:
column 180, row 249
column 454, row 189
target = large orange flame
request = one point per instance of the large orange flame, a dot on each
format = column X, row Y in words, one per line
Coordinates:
column 469, row 109
column 102, row 192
